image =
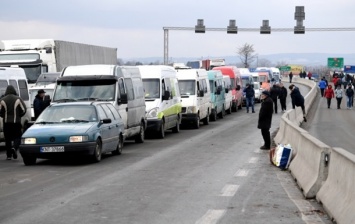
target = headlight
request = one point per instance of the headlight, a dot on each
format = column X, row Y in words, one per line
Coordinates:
column 28, row 141
column 153, row 113
column 191, row 110
column 78, row 138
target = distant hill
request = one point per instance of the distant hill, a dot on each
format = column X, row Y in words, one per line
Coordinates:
column 307, row 59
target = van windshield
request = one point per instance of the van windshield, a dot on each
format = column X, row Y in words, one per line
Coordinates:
column 151, row 88
column 187, row 87
column 88, row 89
column 262, row 78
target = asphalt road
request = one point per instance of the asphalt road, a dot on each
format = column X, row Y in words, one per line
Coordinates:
column 216, row 174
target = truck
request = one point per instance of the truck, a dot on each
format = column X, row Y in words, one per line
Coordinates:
column 37, row 56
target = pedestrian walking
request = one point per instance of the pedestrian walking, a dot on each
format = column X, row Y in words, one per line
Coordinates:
column 349, row 96
column 249, row 97
column 309, row 75
column 12, row 108
column 297, row 100
column 39, row 104
column 282, row 97
column 290, row 76
column 274, row 94
column 329, row 94
column 338, row 95
column 265, row 118
column 322, row 85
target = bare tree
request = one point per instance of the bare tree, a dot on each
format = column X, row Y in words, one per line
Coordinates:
column 246, row 54
column 281, row 63
column 263, row 62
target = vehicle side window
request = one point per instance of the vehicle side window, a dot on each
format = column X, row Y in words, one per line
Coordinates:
column 14, row 84
column 108, row 112
column 23, row 90
column 114, row 111
column 3, row 86
column 138, row 88
column 130, row 91
column 121, row 88
column 204, row 85
column 101, row 113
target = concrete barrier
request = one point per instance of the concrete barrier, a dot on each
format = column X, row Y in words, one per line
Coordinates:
column 337, row 193
column 310, row 166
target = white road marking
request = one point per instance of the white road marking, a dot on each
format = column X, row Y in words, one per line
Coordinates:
column 253, row 159
column 229, row 190
column 211, row 217
column 241, row 173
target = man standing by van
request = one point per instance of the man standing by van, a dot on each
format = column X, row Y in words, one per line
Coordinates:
column 39, row 104
column 249, row 97
column 265, row 118
column 12, row 108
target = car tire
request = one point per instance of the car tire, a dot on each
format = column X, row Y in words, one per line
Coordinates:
column 229, row 111
column 213, row 115
column 197, row 122
column 206, row 121
column 96, row 157
column 118, row 150
column 161, row 131
column 221, row 115
column 176, row 129
column 29, row 160
column 140, row 137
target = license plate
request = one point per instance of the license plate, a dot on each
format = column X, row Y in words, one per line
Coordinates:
column 52, row 149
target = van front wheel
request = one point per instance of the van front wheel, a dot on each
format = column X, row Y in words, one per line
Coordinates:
column 206, row 121
column 197, row 122
column 213, row 115
column 161, row 131
column 176, row 129
column 140, row 137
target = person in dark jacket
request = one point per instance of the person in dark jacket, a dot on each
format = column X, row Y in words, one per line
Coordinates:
column 249, row 97
column 290, row 76
column 274, row 94
column 297, row 100
column 12, row 108
column 349, row 96
column 265, row 118
column 39, row 104
column 282, row 97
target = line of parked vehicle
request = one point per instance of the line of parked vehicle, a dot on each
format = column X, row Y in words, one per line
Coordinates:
column 96, row 108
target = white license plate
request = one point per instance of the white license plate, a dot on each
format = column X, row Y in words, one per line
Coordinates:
column 52, row 149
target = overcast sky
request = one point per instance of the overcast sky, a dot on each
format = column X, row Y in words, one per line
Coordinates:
column 135, row 27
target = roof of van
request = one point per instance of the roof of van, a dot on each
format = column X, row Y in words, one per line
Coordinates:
column 227, row 70
column 191, row 73
column 156, row 71
column 214, row 74
column 11, row 72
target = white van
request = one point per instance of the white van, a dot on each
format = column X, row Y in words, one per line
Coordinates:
column 195, row 95
column 120, row 85
column 17, row 78
column 45, row 81
column 162, row 98
column 227, row 83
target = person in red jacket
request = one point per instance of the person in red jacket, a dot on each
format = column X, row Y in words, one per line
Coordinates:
column 335, row 81
column 329, row 94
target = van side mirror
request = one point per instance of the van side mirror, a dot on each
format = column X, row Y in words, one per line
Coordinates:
column 166, row 95
column 238, row 87
column 201, row 93
column 106, row 120
column 227, row 90
column 219, row 89
column 123, row 99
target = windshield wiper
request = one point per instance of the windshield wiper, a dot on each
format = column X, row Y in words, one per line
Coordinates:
column 46, row 122
column 65, row 100
column 74, row 121
column 88, row 98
